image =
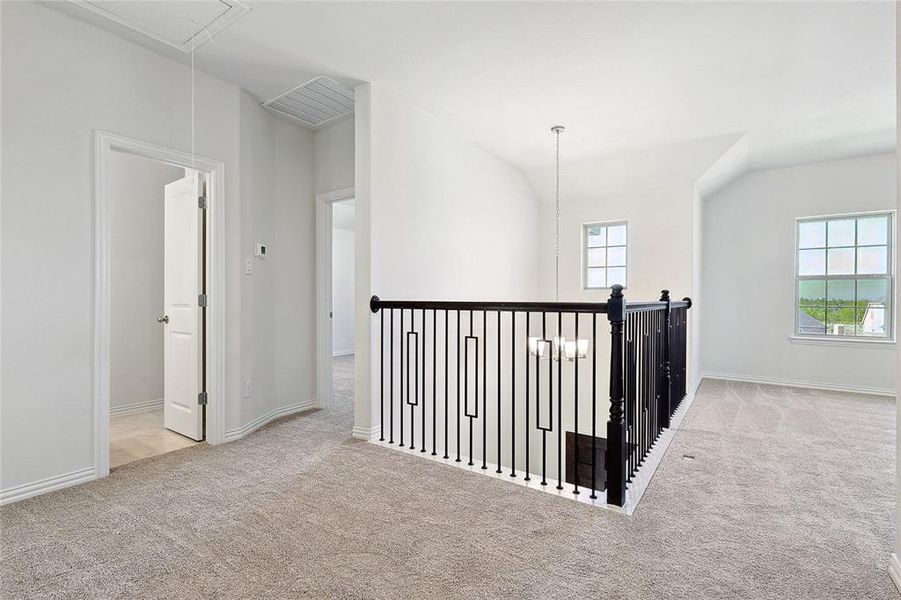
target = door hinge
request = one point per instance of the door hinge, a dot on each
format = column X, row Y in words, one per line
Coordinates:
column 201, row 300
column 201, row 398
column 201, row 202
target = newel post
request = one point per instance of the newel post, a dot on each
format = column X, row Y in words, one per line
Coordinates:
column 616, row 427
column 666, row 397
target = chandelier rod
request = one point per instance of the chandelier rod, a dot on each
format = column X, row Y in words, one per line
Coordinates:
column 557, row 129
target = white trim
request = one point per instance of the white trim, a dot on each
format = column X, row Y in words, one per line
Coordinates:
column 272, row 415
column 894, row 570
column 634, row 491
column 534, row 483
column 27, row 490
column 104, row 143
column 813, row 385
column 343, row 352
column 841, row 341
column 136, row 407
column 362, row 433
column 324, row 200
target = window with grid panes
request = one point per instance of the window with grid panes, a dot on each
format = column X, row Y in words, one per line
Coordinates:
column 844, row 277
column 604, row 254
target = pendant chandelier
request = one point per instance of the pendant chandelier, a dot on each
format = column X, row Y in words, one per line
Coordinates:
column 560, row 347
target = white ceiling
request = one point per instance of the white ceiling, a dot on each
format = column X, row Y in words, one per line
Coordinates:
column 182, row 25
column 803, row 80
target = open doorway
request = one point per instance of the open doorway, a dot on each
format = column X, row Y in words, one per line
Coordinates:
column 343, row 338
column 335, row 248
column 156, row 302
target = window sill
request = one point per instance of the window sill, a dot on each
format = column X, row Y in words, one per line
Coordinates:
column 846, row 342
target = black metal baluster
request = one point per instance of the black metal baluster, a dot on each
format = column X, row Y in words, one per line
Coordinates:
column 655, row 379
column 391, row 384
column 400, row 406
column 527, row 433
column 382, row 376
column 498, row 458
column 484, row 389
column 576, row 410
column 594, row 399
column 550, row 399
column 434, row 381
column 412, row 354
column 560, row 474
column 653, row 376
column 422, row 408
column 446, row 361
column 513, row 393
column 458, row 387
column 629, row 387
column 644, row 386
column 466, row 385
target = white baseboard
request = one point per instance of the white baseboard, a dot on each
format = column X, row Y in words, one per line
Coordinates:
column 136, row 407
column 363, row 433
column 894, row 570
column 237, row 434
column 813, row 385
column 20, row 492
column 342, row 352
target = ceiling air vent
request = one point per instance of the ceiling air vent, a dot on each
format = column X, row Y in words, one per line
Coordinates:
column 314, row 103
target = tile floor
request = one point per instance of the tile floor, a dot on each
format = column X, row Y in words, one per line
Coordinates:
column 142, row 435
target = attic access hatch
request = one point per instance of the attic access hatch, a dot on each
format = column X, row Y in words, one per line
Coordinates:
column 181, row 25
column 314, row 103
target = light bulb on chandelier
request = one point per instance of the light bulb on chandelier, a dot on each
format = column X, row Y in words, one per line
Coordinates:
column 561, row 349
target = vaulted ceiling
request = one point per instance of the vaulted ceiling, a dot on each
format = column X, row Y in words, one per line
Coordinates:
column 802, row 80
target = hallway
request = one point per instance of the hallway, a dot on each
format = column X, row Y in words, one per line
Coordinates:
column 757, row 498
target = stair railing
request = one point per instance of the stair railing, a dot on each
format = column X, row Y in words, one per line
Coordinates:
column 434, row 384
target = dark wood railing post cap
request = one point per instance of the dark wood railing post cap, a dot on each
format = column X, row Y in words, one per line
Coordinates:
column 616, row 305
column 374, row 304
column 664, row 295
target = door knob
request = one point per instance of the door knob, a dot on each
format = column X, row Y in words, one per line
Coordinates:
column 163, row 319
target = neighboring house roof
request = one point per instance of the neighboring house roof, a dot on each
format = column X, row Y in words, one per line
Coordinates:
column 806, row 322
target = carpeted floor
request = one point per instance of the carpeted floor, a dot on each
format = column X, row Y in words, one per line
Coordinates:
column 790, row 494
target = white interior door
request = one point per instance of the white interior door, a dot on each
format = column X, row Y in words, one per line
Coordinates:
column 183, row 412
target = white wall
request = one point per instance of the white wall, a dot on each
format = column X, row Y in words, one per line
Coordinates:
column 659, row 244
column 136, row 277
column 101, row 81
column 334, row 161
column 748, row 273
column 447, row 221
column 657, row 192
column 278, row 300
column 343, row 337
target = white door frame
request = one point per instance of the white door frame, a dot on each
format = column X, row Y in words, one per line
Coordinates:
column 324, row 201
column 104, row 144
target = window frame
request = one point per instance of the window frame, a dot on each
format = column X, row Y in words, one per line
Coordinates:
column 889, row 276
column 584, row 241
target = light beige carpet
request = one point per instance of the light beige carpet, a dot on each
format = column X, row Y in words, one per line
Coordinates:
column 790, row 495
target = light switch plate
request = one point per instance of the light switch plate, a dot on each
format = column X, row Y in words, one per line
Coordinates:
column 248, row 267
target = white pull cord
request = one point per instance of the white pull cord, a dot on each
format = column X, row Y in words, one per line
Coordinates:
column 193, row 149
